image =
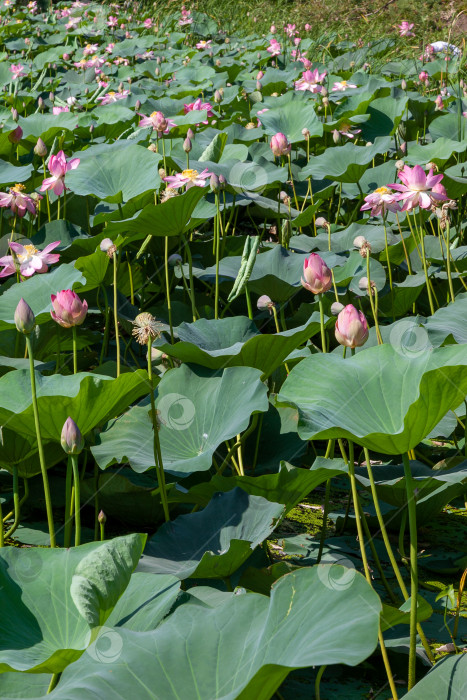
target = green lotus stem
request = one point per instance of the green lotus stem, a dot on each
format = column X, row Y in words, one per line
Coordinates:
column 412, row 511
column 105, row 340
column 76, row 488
column 45, row 479
column 2, row 540
column 75, row 351
column 292, row 182
column 321, row 321
column 389, row 549
column 46, row 192
column 318, row 681
column 96, row 502
column 68, row 505
column 353, row 483
column 370, row 294
column 190, row 274
column 117, row 340
column 157, row 444
column 130, row 275
column 217, row 248
column 425, row 267
column 448, row 260
column 9, row 515
column 58, row 208
column 375, row 556
column 248, row 302
column 329, row 455
column 258, row 436
column 53, row 682
column 240, row 456
column 16, row 502
column 167, row 287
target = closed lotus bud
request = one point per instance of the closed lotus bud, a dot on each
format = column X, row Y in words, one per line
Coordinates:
column 336, row 308
column 14, row 114
column 403, row 84
column 157, row 72
column 66, row 56
column 217, row 96
column 324, row 92
column 15, row 135
column 51, row 97
column 152, row 147
column 259, row 85
column 317, row 276
column 325, row 101
column 400, row 165
column 222, row 182
column 137, row 105
column 40, row 149
column 25, row 320
column 40, row 103
column 214, row 182
column 91, row 128
column 190, row 134
column 351, row 327
column 260, row 75
column 336, row 137
column 86, row 91
column 102, row 518
column 279, row 145
column 174, row 260
column 187, row 145
column 71, row 438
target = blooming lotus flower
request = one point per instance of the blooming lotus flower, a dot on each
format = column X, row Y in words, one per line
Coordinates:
column 423, row 76
column 342, row 86
column 289, row 29
column 112, row 21
column 185, row 18
column 17, row 201
column 59, row 110
column 310, row 81
column 351, row 327
column 203, row 44
column 405, row 28
column 189, row 178
column 197, row 106
column 148, row 23
column 69, row 310
column 28, row 259
column 58, row 166
column 109, row 48
column 381, row 201
column 418, row 188
column 439, row 104
column 81, row 64
column 274, row 48
column 158, row 122
column 279, row 145
column 317, row 276
column 90, row 49
column 111, row 97
column 346, row 129
column 17, row 70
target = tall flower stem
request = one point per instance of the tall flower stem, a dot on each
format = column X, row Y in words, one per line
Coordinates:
column 157, row 444
column 190, row 273
column 68, row 504
column 76, row 484
column 45, row 479
column 370, row 294
column 412, row 511
column 46, row 192
column 16, row 503
column 117, row 340
column 353, row 483
column 217, row 248
column 329, row 455
column 75, row 350
column 321, row 320
column 167, row 287
column 425, row 267
column 2, row 540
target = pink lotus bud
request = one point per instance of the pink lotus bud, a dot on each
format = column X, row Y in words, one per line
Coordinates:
column 16, row 135
column 351, row 327
column 307, row 27
column 317, row 276
column 69, row 310
column 423, row 76
column 272, row 29
column 214, row 182
column 24, row 317
column 66, row 57
column 187, row 145
column 102, row 518
column 260, row 75
column 190, row 134
column 217, row 96
column 279, row 145
column 40, row 149
column 71, row 438
column 160, row 122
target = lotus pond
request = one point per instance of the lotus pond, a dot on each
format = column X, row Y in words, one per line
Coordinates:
column 233, row 360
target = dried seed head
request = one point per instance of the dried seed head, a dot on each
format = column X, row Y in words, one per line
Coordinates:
column 146, row 327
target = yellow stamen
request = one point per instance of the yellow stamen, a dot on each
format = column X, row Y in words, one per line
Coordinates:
column 30, row 249
column 383, row 190
column 190, row 174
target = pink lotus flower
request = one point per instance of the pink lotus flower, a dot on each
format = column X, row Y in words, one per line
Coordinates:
column 90, row 49
column 310, row 81
column 347, row 130
column 308, row 27
column 317, row 276
column 58, row 167
column 289, row 29
column 95, row 62
column 198, row 106
column 17, row 201
column 112, row 21
column 189, row 178
column 439, row 104
column 380, row 201
column 342, row 86
column 351, row 327
column 158, row 122
column 418, row 188
column 148, row 23
column 185, row 18
column 203, row 44
column 69, row 310
column 405, row 28
column 111, row 97
column 59, row 110
column 27, row 259
column 274, row 48
column 279, row 145
column 82, row 64
column 423, row 76
column 17, row 70
column 109, row 48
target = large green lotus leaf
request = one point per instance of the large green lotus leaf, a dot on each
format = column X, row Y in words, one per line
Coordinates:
column 47, row 126
column 90, row 399
column 36, row 292
column 291, row 119
column 214, row 542
column 289, row 485
column 21, row 451
column 52, row 598
column 448, row 320
column 11, row 173
column 145, row 602
column 438, row 152
column 450, row 126
column 198, row 410
column 166, row 219
column 236, row 341
column 382, row 398
column 117, row 176
column 200, row 652
column 344, row 163
column 456, row 180
column 385, row 116
column 276, row 272
column 445, row 681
